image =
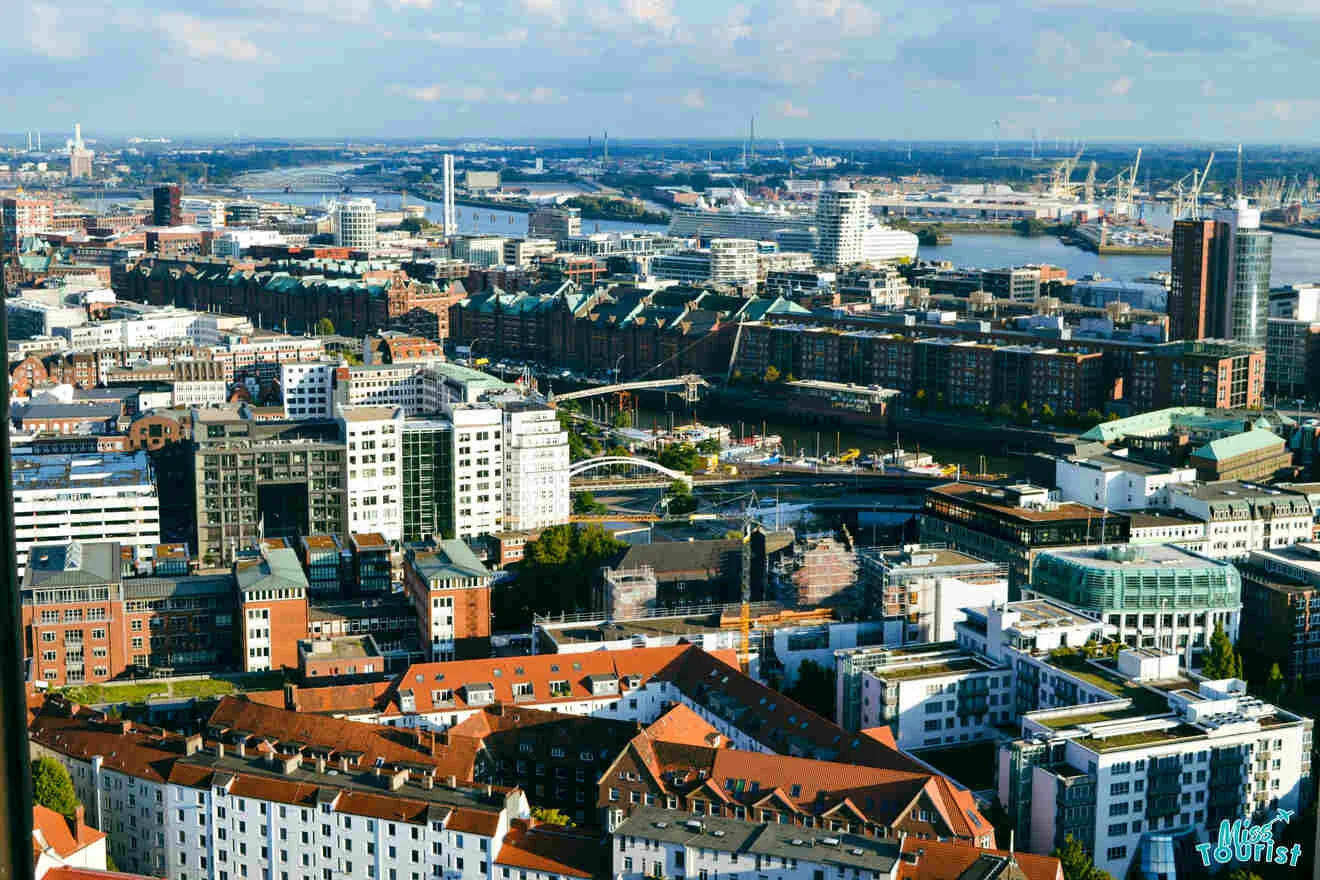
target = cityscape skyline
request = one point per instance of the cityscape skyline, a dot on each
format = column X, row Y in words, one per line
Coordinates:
column 641, row 67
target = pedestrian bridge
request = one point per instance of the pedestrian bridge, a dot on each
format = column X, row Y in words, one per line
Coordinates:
column 689, row 384
column 614, row 462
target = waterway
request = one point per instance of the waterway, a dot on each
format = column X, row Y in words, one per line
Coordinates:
column 471, row 220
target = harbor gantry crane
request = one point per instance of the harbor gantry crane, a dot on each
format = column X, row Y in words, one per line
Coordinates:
column 1060, row 176
column 1088, row 186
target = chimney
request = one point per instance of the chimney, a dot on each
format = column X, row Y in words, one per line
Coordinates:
column 123, row 726
column 193, row 744
column 291, row 697
column 343, row 763
column 320, row 763
column 79, row 816
column 451, row 781
column 376, row 770
column 219, row 749
column 242, row 748
column 291, row 763
column 428, row 781
column 398, row 779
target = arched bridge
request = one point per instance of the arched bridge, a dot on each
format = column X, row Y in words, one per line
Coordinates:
column 689, row 383
column 614, row 461
column 299, row 179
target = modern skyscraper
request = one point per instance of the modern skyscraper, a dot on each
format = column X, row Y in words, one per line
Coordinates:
column 165, row 207
column 355, row 224
column 1221, row 277
column 842, row 216
column 428, row 479
column 80, row 158
column 449, row 219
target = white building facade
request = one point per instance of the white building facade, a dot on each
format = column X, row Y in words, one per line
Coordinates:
column 1112, row 484
column 308, row 389
column 478, row 458
column 374, row 469
column 355, row 224
column 536, row 462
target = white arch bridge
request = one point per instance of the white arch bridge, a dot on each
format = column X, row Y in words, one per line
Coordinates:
column 689, row 383
column 297, row 179
column 614, row 463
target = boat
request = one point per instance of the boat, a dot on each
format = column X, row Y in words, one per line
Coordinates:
column 737, row 219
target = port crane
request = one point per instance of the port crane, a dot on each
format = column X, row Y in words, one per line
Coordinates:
column 1060, row 185
column 1187, row 199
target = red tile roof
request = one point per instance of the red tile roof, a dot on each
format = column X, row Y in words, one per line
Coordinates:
column 946, row 860
column 144, row 753
column 67, row 872
column 681, row 725
column 550, row 849
column 882, row 735
column 52, row 831
column 394, row 745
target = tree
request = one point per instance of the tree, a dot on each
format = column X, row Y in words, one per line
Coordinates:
column 1024, row 414
column 52, row 787
column 558, row 574
column 814, row 688
column 1070, row 416
column 551, row 816
column 1003, row 412
column 325, row 327
column 680, row 498
column 585, row 504
column 1077, row 865
column 923, row 399
column 679, row 457
column 709, row 446
column 1046, row 412
column 1221, row 661
column 622, row 419
column 1094, row 416
column 771, row 374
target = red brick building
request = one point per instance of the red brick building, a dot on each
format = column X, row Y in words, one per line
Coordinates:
column 1214, row 373
column 272, row 608
column 450, row 591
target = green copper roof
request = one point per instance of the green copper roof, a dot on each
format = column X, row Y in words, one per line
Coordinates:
column 1240, row 444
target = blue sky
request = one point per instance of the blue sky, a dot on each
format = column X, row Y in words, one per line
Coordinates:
column 918, row 69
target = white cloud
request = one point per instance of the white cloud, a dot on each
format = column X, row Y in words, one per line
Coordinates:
column 791, row 110
column 693, row 99
column 417, row 4
column 514, row 38
column 551, row 9
column 207, row 39
column 476, row 94
column 657, row 14
column 1120, row 87
column 49, row 34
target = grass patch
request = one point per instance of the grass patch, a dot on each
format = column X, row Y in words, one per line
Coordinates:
column 1141, row 738
column 91, row 694
column 210, row 687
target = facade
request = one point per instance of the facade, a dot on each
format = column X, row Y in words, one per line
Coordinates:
column 370, row 563
column 450, row 591
column 253, row 479
column 842, row 217
column 919, row 591
column 413, row 385
column 1211, row 373
column 23, row 217
column 555, row 223
column 1012, row 524
column 478, row 466
column 1117, row 481
column 1251, row 455
column 687, row 267
column 1221, row 277
column 272, row 608
column 166, row 209
column 1281, row 611
column 109, row 497
column 428, row 479
column 1117, row 777
column 929, row 695
column 308, row 389
column 536, row 461
column 1155, row 596
column 1241, row 517
column 733, row 261
column 355, row 224
column 373, row 474
column 1292, row 356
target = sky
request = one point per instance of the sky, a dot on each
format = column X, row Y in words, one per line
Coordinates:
column 872, row 69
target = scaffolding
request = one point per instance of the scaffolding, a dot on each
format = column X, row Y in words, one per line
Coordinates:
column 629, row 592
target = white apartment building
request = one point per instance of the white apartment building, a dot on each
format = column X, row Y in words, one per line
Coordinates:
column 103, row 497
column 230, row 811
column 374, row 469
column 1112, row 775
column 245, row 352
column 414, row 386
column 931, row 695
column 208, row 214
column 308, row 389
column 234, row 242
column 1242, row 517
column 653, row 842
column 536, row 463
column 1113, row 481
column 478, row 459
column 480, row 250
column 197, row 383
column 733, row 261
column 842, row 217
column 152, row 326
column 922, row 589
column 355, row 224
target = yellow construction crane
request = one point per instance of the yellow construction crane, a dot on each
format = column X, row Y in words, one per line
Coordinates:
column 745, row 609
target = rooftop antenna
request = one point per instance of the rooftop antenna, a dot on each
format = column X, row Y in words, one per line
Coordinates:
column 1239, row 173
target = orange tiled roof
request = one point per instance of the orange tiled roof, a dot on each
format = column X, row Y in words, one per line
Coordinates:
column 391, row 744
column 948, row 860
column 145, row 753
column 61, row 835
column 681, row 725
column 68, row 872
column 550, row 849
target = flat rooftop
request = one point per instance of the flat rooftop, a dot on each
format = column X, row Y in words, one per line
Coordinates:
column 1235, row 490
column 99, row 471
column 999, row 502
column 917, row 669
column 1149, row 519
column 342, row 648
column 926, row 557
column 1045, row 614
column 1126, row 557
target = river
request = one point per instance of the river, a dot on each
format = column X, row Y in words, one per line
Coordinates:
column 471, row 220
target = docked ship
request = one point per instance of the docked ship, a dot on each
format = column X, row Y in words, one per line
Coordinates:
column 736, row 218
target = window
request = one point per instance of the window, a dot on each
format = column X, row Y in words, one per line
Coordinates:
column 1116, row 852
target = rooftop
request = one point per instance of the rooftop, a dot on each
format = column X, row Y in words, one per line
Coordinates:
column 100, row 471
column 72, row 565
column 1000, row 502
column 276, row 568
column 446, row 561
column 341, row 648
column 1246, row 443
column 1126, row 557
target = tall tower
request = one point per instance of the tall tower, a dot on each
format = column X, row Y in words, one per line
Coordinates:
column 751, row 138
column 1221, row 277
column 842, row 215
column 605, row 156
column 449, row 218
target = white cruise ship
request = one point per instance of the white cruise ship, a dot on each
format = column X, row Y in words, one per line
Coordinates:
column 795, row 230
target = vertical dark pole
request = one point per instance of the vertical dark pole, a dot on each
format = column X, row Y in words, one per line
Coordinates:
column 15, row 771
